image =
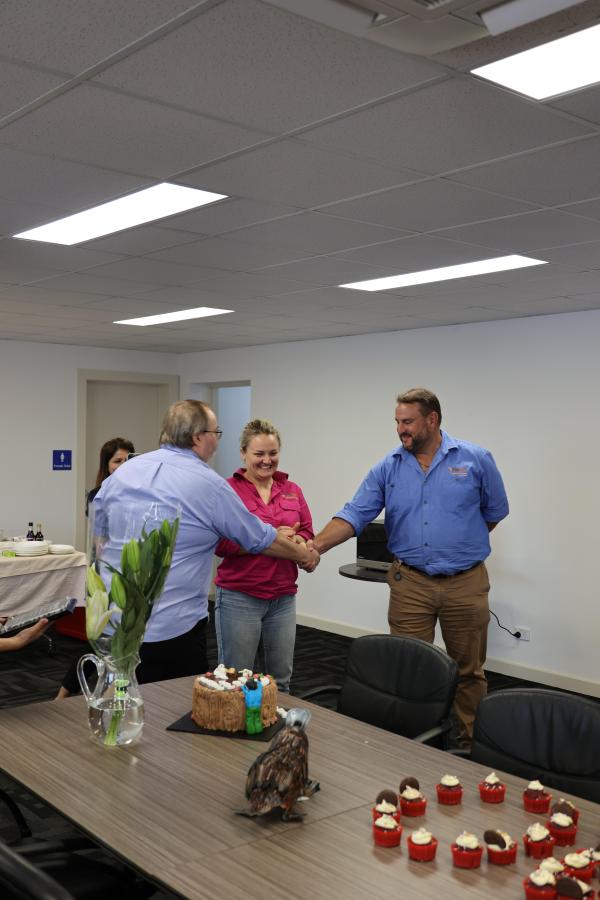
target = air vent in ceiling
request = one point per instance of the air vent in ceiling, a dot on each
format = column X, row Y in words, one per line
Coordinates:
column 420, row 9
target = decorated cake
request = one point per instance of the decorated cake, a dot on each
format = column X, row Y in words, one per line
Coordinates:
column 219, row 701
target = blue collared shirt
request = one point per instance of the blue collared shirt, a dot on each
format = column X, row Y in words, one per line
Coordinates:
column 435, row 521
column 210, row 510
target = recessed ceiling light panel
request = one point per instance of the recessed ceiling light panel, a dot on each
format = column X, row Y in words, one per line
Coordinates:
column 179, row 316
column 566, row 64
column 144, row 206
column 447, row 273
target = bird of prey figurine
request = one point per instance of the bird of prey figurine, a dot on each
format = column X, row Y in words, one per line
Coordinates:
column 279, row 776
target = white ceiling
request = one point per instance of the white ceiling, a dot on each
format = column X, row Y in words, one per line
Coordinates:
column 343, row 160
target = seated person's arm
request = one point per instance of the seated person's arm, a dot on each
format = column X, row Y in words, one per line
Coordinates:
column 22, row 638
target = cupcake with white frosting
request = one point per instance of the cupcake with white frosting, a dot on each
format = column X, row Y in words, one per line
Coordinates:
column 386, row 803
column 538, row 842
column 412, row 801
column 540, row 885
column 422, row 845
column 466, row 851
column 563, row 829
column 501, row 849
column 387, row 831
column 536, row 798
column 491, row 789
column 449, row 790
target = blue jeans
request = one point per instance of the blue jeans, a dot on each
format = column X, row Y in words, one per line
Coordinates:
column 248, row 627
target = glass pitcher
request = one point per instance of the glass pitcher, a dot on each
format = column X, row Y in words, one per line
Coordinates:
column 115, row 706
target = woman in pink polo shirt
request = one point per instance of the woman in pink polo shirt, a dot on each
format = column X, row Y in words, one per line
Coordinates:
column 256, row 595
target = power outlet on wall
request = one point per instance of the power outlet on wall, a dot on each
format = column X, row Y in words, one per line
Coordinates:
column 524, row 632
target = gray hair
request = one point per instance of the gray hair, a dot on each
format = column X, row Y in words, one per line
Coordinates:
column 183, row 420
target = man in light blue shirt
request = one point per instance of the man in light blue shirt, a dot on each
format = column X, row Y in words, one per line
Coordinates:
column 442, row 497
column 178, row 474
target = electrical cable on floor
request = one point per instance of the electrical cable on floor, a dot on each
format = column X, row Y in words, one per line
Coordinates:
column 515, row 634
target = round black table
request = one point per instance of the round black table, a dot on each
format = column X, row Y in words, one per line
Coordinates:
column 360, row 573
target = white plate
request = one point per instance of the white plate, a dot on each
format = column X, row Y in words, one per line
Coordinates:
column 61, row 549
column 31, row 548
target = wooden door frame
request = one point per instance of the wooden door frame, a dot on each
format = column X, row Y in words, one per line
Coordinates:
column 84, row 376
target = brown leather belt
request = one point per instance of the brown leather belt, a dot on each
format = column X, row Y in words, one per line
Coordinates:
column 440, row 575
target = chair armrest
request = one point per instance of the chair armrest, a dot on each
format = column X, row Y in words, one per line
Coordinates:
column 323, row 689
column 438, row 730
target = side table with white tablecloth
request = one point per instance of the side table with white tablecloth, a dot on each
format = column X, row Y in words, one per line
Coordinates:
column 26, row 582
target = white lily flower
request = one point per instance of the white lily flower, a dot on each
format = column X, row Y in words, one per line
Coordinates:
column 97, row 614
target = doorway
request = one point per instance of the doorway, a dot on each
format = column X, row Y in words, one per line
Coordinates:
column 116, row 404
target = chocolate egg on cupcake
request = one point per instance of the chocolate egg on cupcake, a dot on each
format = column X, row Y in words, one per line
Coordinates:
column 386, row 803
column 412, row 801
column 501, row 849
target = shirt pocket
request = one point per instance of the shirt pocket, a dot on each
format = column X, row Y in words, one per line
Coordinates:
column 289, row 508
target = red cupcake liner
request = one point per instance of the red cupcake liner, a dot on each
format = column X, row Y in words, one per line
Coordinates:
column 387, row 837
column 448, row 796
column 422, row 852
column 538, row 849
column 502, row 857
column 490, row 794
column 539, row 804
column 376, row 814
column 533, row 892
column 564, row 837
column 466, row 859
column 413, row 808
column 586, row 874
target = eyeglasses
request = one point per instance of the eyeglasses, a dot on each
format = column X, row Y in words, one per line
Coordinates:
column 217, row 431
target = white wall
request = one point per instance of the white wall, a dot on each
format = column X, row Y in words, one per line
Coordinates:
column 523, row 388
column 38, row 414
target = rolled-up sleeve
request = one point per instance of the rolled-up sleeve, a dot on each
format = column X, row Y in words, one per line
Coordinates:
column 368, row 500
column 232, row 520
column 494, row 502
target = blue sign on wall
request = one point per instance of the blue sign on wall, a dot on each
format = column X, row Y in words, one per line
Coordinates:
column 61, row 460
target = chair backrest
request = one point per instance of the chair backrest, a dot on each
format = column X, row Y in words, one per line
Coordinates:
column 543, row 734
column 20, row 880
column 402, row 684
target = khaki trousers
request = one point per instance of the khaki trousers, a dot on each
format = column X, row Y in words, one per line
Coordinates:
column 460, row 603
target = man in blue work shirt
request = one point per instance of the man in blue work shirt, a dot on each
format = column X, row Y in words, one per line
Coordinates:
column 442, row 497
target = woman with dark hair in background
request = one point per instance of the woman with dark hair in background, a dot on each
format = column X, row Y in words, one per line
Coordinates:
column 112, row 455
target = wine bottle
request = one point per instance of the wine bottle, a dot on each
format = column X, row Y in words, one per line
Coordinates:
column 30, row 533
column 39, row 536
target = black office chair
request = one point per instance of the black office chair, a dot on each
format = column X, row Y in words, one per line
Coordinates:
column 398, row 683
column 74, row 864
column 20, row 880
column 544, row 734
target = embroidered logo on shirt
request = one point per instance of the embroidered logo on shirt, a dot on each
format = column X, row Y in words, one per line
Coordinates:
column 290, row 496
column 458, row 471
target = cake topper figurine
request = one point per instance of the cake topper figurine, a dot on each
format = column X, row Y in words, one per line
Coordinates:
column 253, row 691
column 279, row 776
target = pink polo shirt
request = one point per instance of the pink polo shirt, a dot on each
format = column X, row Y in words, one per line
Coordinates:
column 264, row 576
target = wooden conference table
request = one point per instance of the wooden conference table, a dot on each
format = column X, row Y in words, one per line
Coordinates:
column 165, row 805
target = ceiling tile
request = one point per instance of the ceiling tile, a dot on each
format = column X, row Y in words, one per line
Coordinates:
column 520, row 234
column 32, row 178
column 228, row 253
column 87, row 125
column 227, row 215
column 557, row 175
column 318, row 233
column 293, row 172
column 264, row 40
column 21, row 85
column 71, row 35
column 416, row 253
column 419, row 130
column 427, row 205
column 585, row 103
